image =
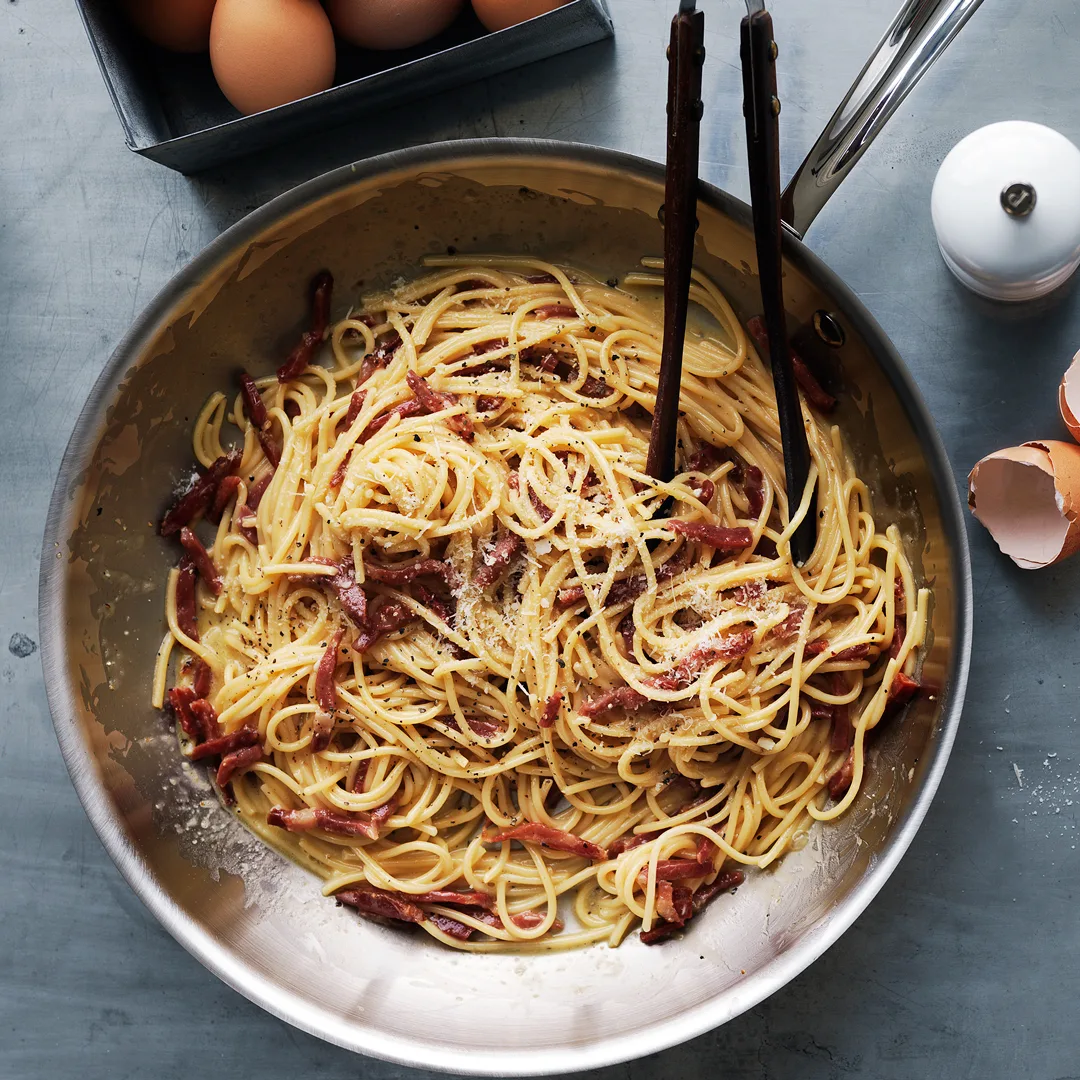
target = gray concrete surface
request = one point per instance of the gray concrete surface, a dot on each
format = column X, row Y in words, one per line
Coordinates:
column 968, row 964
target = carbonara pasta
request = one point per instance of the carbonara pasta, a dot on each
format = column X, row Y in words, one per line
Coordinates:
column 454, row 651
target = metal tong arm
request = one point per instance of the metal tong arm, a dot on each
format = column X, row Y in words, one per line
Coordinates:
column 917, row 37
column 762, row 107
column 686, row 55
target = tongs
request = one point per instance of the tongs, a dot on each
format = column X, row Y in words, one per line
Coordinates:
column 761, row 107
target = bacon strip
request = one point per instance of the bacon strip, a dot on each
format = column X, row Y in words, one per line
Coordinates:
column 225, row 491
column 622, row 697
column 206, row 714
column 387, row 905
column 321, row 287
column 225, row 744
column 456, row 899
column 673, row 870
column 628, row 842
column 703, row 489
column 899, row 633
column 551, row 710
column 628, row 589
column 486, row 403
column 705, row 856
column 852, row 652
column 324, row 674
column 337, row 822
column 543, row 511
column 717, row 536
column 198, row 497
column 524, row 920
column 405, row 573
column 243, row 512
column 548, row 361
column 750, row 592
column 498, row 559
column 384, row 620
column 665, row 904
column 547, row 836
column 201, row 559
column 570, row 596
column 486, row 729
column 754, row 487
column 258, row 489
column 180, row 699
column 360, row 776
column 339, row 473
column 380, row 356
column 238, row 761
column 706, row 458
column 356, row 406
column 729, row 879
column 732, row 647
column 626, row 630
column 270, row 448
column 555, row 311
column 840, row 781
column 185, row 599
column 815, row 393
column 254, row 405
column 406, row 409
column 430, row 600
column 343, row 584
column 436, row 401
column 451, row 927
column 842, row 734
column 903, row 689
column 594, row 388
column 675, row 906
column 791, row 623
column 487, row 367
column 300, row 357
column 198, row 671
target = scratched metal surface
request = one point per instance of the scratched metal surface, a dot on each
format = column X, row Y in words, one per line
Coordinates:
column 968, row 963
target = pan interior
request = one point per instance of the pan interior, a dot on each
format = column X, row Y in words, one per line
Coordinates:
column 256, row 919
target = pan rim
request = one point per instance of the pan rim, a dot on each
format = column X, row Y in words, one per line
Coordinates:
column 284, row 1003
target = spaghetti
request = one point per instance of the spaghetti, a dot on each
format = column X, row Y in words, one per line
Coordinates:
column 450, row 656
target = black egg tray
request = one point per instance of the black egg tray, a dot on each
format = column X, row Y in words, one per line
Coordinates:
column 174, row 113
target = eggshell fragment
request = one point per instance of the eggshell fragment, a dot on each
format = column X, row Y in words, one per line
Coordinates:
column 1069, row 398
column 1028, row 497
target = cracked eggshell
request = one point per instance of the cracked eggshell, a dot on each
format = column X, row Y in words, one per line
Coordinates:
column 1069, row 398
column 1028, row 497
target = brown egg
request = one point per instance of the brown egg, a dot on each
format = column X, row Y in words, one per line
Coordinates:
column 391, row 24
column 267, row 52
column 179, row 25
column 499, row 14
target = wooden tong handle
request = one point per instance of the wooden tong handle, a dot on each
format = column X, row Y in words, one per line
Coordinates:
column 686, row 55
column 762, row 108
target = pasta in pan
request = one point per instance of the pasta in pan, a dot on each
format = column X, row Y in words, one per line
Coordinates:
column 454, row 651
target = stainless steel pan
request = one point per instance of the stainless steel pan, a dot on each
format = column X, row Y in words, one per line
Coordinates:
column 257, row 921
